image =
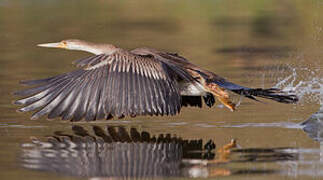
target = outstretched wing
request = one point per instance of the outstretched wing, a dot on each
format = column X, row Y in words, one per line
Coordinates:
column 120, row 84
column 166, row 57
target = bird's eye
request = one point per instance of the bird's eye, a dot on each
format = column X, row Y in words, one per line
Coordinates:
column 64, row 42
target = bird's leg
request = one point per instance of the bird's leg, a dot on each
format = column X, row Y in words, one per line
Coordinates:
column 213, row 88
column 221, row 94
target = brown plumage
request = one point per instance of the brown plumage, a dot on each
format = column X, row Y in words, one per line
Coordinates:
column 117, row 83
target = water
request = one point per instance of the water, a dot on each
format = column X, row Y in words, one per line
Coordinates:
column 253, row 43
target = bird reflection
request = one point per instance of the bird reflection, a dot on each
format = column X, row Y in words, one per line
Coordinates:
column 115, row 152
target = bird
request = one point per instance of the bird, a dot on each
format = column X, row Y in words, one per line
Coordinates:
column 116, row 83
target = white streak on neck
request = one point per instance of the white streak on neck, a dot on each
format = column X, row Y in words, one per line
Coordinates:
column 94, row 51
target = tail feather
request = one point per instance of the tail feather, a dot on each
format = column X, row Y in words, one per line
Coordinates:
column 271, row 93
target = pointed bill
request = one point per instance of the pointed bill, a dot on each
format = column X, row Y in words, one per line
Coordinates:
column 53, row 45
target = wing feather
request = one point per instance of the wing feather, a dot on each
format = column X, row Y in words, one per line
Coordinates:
column 108, row 101
column 113, row 93
column 82, row 108
column 44, row 100
column 162, row 95
column 94, row 97
column 120, row 84
column 58, row 110
column 101, row 106
column 91, row 60
column 129, row 93
column 155, row 96
column 63, row 97
column 149, row 101
column 77, row 112
column 50, row 104
column 71, row 108
column 44, row 88
column 119, row 91
column 142, row 97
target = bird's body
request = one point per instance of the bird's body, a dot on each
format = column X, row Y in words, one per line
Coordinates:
column 115, row 83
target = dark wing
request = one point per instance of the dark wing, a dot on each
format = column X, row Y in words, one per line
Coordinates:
column 195, row 101
column 121, row 84
column 167, row 57
column 181, row 64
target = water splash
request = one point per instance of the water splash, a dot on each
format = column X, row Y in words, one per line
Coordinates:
column 288, row 125
column 307, row 83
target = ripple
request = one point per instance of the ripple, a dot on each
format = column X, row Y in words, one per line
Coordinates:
column 4, row 125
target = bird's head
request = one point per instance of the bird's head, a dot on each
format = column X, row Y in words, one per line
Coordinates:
column 80, row 45
column 70, row 44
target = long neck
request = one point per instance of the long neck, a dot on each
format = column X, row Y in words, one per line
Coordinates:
column 96, row 48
